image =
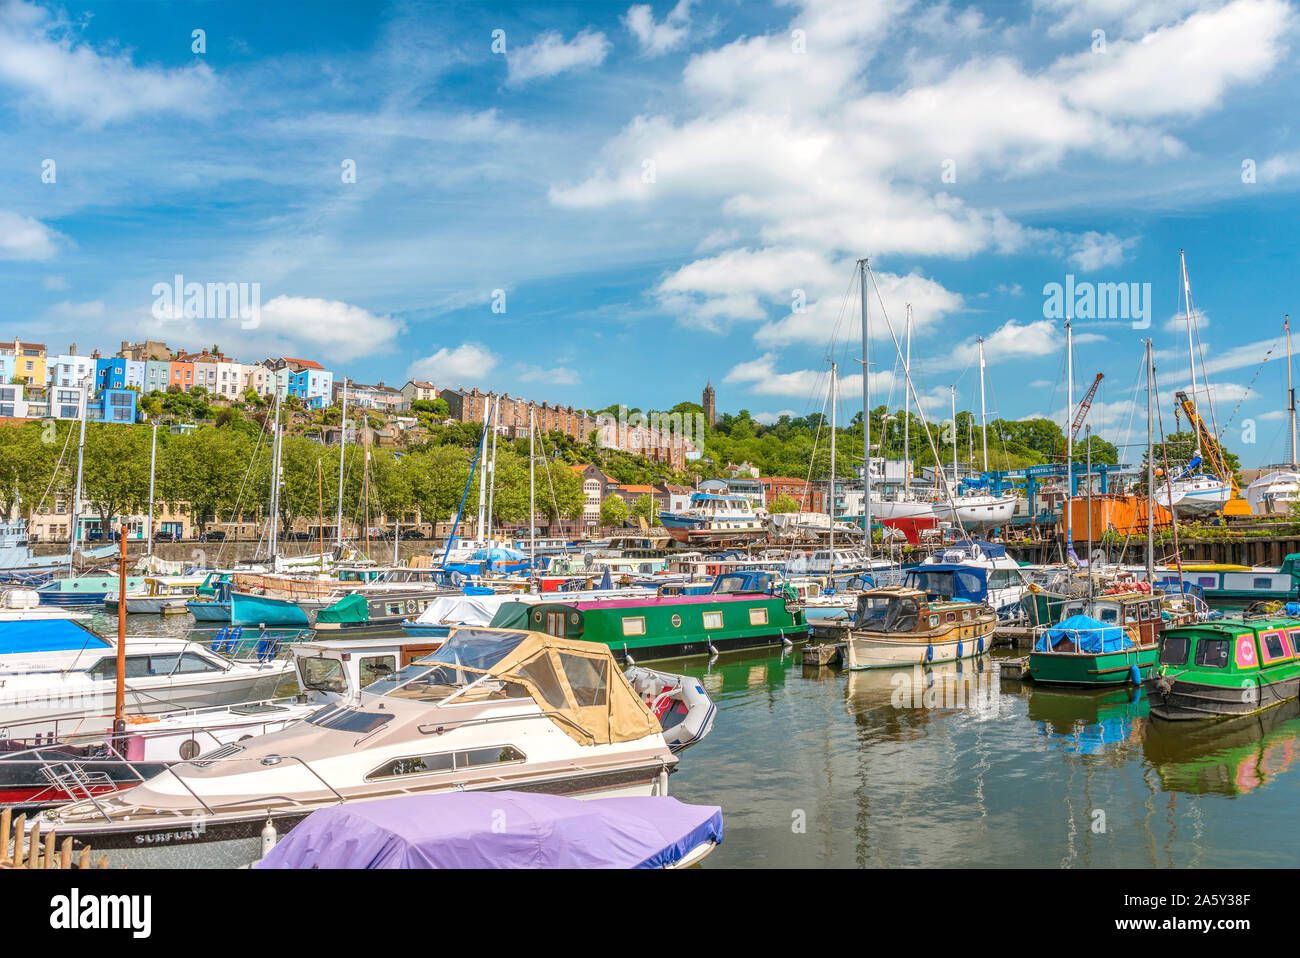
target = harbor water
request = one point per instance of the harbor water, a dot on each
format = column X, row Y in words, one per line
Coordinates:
column 956, row 767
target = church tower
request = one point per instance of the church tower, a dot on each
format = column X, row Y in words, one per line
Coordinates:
column 710, row 405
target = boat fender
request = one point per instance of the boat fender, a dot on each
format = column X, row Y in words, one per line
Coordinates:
column 1135, row 675
column 268, row 837
column 960, row 649
column 979, row 645
column 712, row 649
column 929, row 653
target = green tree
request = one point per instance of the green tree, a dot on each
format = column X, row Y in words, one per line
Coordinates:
column 783, row 503
column 613, row 511
column 644, row 508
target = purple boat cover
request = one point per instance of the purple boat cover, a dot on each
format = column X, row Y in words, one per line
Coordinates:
column 498, row 830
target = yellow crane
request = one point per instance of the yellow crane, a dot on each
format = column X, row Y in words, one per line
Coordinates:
column 1212, row 455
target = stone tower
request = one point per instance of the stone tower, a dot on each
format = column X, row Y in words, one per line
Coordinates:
column 710, row 405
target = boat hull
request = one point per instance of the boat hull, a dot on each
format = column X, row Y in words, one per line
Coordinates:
column 870, row 651
column 1199, row 700
column 209, row 611
column 234, row 841
column 1091, row 670
column 246, row 609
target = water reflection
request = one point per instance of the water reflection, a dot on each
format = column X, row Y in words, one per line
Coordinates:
column 1226, row 757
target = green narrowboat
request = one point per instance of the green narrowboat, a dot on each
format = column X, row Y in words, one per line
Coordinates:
column 663, row 627
column 1227, row 667
column 1119, row 644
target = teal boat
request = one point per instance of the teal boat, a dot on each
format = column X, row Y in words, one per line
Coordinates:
column 265, row 610
column 211, row 603
column 1237, row 583
column 86, row 589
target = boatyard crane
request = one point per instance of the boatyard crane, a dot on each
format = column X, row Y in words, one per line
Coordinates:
column 1211, row 451
column 1082, row 414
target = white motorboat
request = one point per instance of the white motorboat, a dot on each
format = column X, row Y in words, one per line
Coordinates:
column 58, row 678
column 1274, row 494
column 160, row 594
column 24, row 605
column 492, row 709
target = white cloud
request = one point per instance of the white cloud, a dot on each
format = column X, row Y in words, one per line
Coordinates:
column 1185, row 68
column 768, row 418
column 1279, row 167
column 54, row 283
column 41, row 56
column 1128, row 16
column 23, row 238
column 556, row 376
column 467, row 364
column 77, row 312
column 338, row 330
column 551, row 54
column 658, row 38
column 1096, row 251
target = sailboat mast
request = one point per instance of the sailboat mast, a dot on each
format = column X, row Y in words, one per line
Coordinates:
column 907, row 407
column 1151, row 472
column 343, row 442
column 831, row 504
column 1069, row 441
column 1087, row 438
column 75, row 527
column 275, row 477
column 1290, row 392
column 153, row 463
column 481, row 529
column 866, row 415
column 1191, row 354
column 492, row 467
column 952, row 396
column 532, row 492
column 984, row 435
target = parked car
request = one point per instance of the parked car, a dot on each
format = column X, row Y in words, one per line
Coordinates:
column 413, row 534
column 216, row 535
column 298, row 536
column 164, row 535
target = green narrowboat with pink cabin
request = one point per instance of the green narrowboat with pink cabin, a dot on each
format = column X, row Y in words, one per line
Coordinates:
column 664, row 627
column 1227, row 667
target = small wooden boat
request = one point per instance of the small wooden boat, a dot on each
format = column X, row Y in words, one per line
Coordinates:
column 898, row 625
column 160, row 594
column 1227, row 667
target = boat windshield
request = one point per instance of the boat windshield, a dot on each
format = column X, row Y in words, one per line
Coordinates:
column 458, row 663
column 887, row 613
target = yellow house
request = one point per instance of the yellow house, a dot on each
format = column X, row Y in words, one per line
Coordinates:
column 29, row 362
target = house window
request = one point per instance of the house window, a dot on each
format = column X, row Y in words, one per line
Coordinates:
column 758, row 616
column 634, row 625
column 713, row 620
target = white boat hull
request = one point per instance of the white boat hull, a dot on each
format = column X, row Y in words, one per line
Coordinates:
column 978, row 512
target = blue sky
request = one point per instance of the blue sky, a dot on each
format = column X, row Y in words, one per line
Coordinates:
column 650, row 184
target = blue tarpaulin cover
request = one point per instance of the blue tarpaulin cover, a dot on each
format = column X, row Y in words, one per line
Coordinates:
column 498, row 830
column 1090, row 634
column 48, row 635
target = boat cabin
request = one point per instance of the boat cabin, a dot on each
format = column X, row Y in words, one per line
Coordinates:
column 1139, row 613
column 337, row 668
column 901, row 609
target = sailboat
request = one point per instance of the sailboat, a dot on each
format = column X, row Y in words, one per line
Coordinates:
column 905, row 505
column 975, row 510
column 1193, row 492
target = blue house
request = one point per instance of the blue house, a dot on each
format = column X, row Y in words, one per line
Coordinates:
column 112, row 405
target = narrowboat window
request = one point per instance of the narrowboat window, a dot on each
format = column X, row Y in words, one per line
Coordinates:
column 1273, row 645
column 758, row 616
column 1109, row 615
column 322, row 674
column 635, row 625
column 555, row 624
column 1207, row 581
column 395, row 608
column 586, row 679
column 1294, row 636
column 376, row 667
column 1263, row 582
column 950, row 617
column 1212, row 653
column 1173, row 650
column 712, row 620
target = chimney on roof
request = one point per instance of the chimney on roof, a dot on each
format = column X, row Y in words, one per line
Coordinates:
column 72, row 349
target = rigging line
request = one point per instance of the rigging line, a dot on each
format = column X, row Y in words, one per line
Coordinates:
column 240, row 497
column 57, row 466
column 925, row 424
column 1251, row 385
column 812, row 457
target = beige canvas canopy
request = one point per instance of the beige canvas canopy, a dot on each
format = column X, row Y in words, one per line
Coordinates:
column 580, row 686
